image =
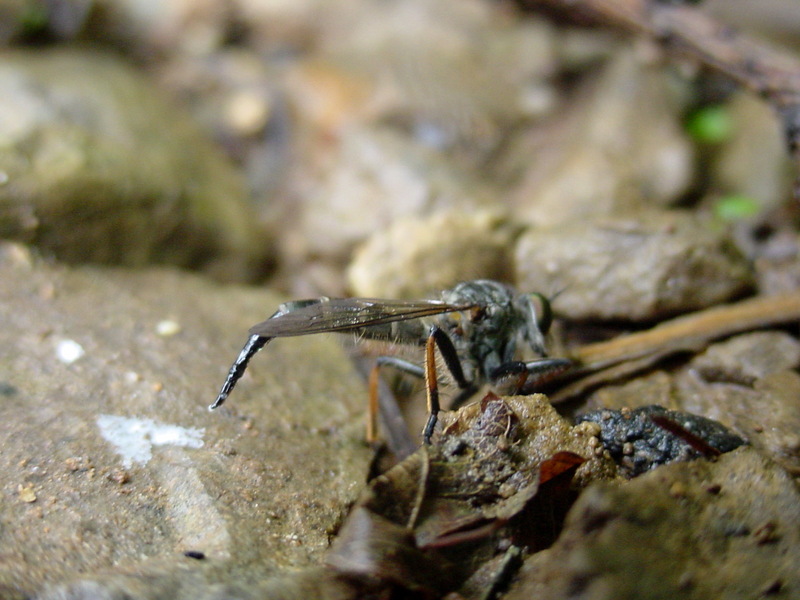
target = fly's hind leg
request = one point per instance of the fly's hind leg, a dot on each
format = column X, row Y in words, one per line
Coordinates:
column 436, row 339
column 401, row 365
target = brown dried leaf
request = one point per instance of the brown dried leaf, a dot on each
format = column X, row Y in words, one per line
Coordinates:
column 431, row 521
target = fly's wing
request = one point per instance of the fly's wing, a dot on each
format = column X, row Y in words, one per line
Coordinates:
column 344, row 314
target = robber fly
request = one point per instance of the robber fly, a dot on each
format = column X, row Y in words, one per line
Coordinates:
column 477, row 327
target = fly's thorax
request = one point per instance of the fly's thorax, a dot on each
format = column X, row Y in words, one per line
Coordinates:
column 483, row 338
column 479, row 292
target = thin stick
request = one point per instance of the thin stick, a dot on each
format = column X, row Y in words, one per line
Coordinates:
column 690, row 333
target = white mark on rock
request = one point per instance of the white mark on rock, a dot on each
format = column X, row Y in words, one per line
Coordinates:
column 68, row 351
column 134, row 438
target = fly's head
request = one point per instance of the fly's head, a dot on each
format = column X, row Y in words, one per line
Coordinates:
column 497, row 321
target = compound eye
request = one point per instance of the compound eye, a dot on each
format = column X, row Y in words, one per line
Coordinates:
column 542, row 311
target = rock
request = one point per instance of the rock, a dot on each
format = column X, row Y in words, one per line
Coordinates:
column 98, row 167
column 746, row 358
column 643, row 267
column 124, row 468
column 747, row 383
column 776, row 258
column 682, row 531
column 542, row 434
column 638, row 442
column 418, row 257
column 754, row 162
column 766, row 413
column 358, row 188
column 372, row 178
column 618, row 149
column 656, row 387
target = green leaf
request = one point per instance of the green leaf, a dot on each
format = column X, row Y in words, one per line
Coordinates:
column 735, row 207
column 710, row 124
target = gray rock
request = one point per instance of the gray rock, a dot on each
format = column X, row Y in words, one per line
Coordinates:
column 645, row 266
column 112, row 466
column 766, row 413
column 776, row 259
column 638, row 443
column 748, row 383
column 621, row 146
column 417, row 257
column 754, row 161
column 97, row 166
column 743, row 359
column 373, row 177
column 723, row 529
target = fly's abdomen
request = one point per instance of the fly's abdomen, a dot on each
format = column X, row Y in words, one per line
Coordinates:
column 400, row 332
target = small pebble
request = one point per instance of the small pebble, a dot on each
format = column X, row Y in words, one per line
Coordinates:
column 68, row 351
column 767, row 533
column 247, row 112
column 26, row 494
column 120, row 476
column 677, row 490
column 167, row 328
column 773, row 588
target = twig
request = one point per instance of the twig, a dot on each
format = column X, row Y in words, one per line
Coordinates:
column 608, row 361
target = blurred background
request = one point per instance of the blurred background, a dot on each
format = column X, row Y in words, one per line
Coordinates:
column 368, row 147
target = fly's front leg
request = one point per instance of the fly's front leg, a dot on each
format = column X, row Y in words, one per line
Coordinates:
column 438, row 338
column 516, row 377
column 543, row 370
